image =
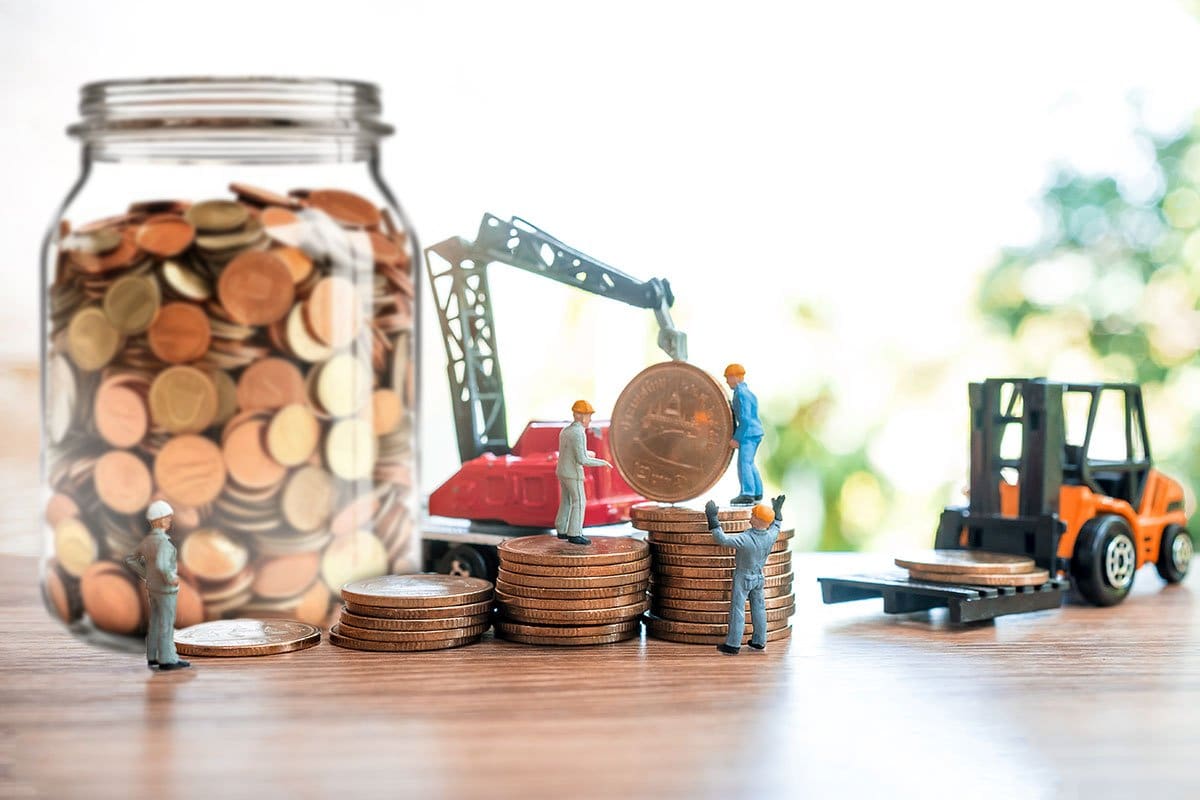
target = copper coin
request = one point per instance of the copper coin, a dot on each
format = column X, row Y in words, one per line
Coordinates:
column 417, row 591
column 411, row 625
column 258, row 196
column 60, row 507
column 587, row 571
column 74, row 546
column 421, row 612
column 165, row 235
column 111, row 599
column 92, row 340
column 776, row 635
column 190, row 470
column 780, row 546
column 256, row 288
column 660, row 512
column 689, row 531
column 345, row 207
column 588, row 603
column 568, row 631
column 659, row 625
column 296, row 260
column 246, row 637
column 384, row 250
column 670, row 432
column 213, row 557
column 282, row 225
column 123, row 481
column 386, row 409
column 722, row 573
column 721, row 595
column 596, row 616
column 398, row 647
column 375, row 635
column 549, row 550
column 716, row 583
column 67, row 605
column 120, row 413
column 656, row 601
column 974, row 562
column 183, row 400
column 180, row 333
column 1033, row 578
column 314, row 604
column 131, row 303
column 247, row 459
column 710, row 562
column 285, row 576
column 333, row 311
column 570, row 641
column 189, row 607
column 123, row 254
column 308, row 497
column 270, row 383
column 217, row 216
column 716, row 617
column 558, row 582
column 570, row 594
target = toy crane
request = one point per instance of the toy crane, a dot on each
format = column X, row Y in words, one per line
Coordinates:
column 516, row 485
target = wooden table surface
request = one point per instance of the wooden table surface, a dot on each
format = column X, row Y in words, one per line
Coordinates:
column 1076, row 702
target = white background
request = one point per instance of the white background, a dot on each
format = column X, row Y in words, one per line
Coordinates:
column 867, row 159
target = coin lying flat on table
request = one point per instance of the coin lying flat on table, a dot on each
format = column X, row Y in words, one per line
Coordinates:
column 660, row 512
column 692, row 638
column 417, row 591
column 670, row 432
column 351, row 643
column 376, row 635
column 585, row 571
column 660, row 625
column 349, row 618
column 975, row 562
column 567, row 631
column 246, row 637
column 690, row 528
column 584, row 617
column 584, row 604
column 549, row 550
column 559, row 582
column 420, row 613
column 571, row 594
column 569, row 641
column 1032, row 578
column 721, row 606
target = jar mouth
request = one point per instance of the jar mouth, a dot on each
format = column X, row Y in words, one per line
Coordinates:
column 312, row 107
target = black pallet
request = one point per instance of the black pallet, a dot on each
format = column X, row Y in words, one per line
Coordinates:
column 902, row 595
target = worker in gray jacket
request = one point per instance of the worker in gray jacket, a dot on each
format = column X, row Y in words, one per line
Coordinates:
column 752, row 546
column 572, row 458
column 154, row 562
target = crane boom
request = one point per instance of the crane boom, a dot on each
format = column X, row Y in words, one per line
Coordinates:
column 464, row 309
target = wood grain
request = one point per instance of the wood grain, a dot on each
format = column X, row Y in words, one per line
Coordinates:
column 1075, row 702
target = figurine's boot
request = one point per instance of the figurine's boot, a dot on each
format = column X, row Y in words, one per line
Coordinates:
column 758, row 646
column 180, row 664
column 151, row 663
column 579, row 540
column 729, row 651
column 742, row 500
column 562, row 536
column 757, row 497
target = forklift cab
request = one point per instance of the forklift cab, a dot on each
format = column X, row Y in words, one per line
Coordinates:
column 1106, row 447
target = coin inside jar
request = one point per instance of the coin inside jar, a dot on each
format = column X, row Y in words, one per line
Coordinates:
column 212, row 556
column 217, row 215
column 131, row 303
column 92, row 340
column 269, row 384
column 256, row 288
column 292, row 435
column 165, row 235
column 190, row 470
column 120, row 413
column 308, row 498
column 333, row 311
column 343, row 385
column 350, row 449
column 183, row 400
column 346, row 207
column 353, row 557
column 246, row 457
column 180, row 333
column 123, row 481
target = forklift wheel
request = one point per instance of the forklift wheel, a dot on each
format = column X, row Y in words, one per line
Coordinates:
column 1105, row 560
column 1174, row 553
column 462, row 559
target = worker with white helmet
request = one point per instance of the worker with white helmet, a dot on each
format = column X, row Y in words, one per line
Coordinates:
column 573, row 456
column 154, row 561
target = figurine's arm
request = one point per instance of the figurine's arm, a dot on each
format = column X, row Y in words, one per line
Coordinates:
column 718, row 534
column 137, row 563
column 580, row 454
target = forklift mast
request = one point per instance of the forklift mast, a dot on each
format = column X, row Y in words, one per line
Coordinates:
column 464, row 309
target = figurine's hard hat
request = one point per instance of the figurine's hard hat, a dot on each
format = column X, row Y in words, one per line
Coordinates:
column 736, row 370
column 763, row 513
column 159, row 509
column 582, row 407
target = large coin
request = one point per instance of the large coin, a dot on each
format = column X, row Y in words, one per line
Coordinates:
column 557, row 582
column 570, row 594
column 549, row 550
column 714, row 617
column 660, row 512
column 591, row 603
column 695, row 638
column 670, row 432
column 701, row 527
column 246, row 637
column 356, row 621
column 975, row 562
column 659, row 601
column 375, row 635
column 1034, row 578
column 567, row 631
column 540, row 616
column 351, row 643
column 417, row 591
column 570, row 641
column 427, row 613
column 585, row 571
column 723, row 595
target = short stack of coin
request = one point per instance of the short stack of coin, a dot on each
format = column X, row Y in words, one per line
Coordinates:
column 692, row 577
column 248, row 359
column 405, row 613
column 552, row 592
column 972, row 568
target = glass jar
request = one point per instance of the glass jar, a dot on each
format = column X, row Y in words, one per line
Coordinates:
column 227, row 325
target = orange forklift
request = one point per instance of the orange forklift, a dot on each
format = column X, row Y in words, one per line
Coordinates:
column 1060, row 472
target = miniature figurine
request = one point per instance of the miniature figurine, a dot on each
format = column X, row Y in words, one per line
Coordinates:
column 747, row 435
column 154, row 562
column 573, row 456
column 753, row 547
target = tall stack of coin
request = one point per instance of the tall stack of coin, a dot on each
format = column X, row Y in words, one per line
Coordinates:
column 552, row 592
column 249, row 360
column 404, row 613
column 692, row 577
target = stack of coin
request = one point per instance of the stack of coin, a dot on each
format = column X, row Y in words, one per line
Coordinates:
column 552, row 592
column 396, row 613
column 249, row 360
column 972, row 568
column 692, row 577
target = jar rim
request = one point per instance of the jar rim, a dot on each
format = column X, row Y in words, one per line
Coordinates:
column 275, row 104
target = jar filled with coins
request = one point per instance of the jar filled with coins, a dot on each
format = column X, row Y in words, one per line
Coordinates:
column 227, row 326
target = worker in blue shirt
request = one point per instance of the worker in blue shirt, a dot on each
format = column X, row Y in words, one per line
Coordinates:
column 751, row 549
column 747, row 435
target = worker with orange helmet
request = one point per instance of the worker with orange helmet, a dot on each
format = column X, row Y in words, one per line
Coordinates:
column 747, row 435
column 752, row 548
column 573, row 456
